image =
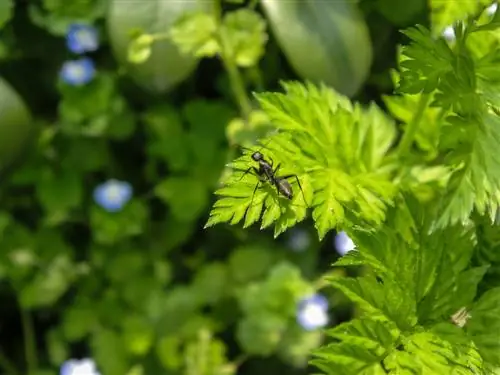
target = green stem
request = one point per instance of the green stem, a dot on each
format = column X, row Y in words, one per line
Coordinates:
column 235, row 78
column 7, row 365
column 411, row 130
column 29, row 341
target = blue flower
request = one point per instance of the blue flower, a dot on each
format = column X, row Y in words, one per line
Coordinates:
column 113, row 195
column 312, row 312
column 81, row 38
column 299, row 240
column 343, row 243
column 77, row 72
column 79, row 367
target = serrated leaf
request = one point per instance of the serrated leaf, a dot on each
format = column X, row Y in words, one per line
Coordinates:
column 337, row 152
column 384, row 300
column 484, row 325
column 363, row 345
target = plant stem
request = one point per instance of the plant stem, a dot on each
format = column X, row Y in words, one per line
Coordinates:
column 29, row 341
column 235, row 78
column 7, row 365
column 411, row 130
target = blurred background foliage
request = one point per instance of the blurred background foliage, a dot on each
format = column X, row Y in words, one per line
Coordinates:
column 117, row 118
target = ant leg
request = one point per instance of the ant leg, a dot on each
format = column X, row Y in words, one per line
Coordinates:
column 298, row 183
column 253, row 194
column 251, row 169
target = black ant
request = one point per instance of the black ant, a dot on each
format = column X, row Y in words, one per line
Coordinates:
column 265, row 172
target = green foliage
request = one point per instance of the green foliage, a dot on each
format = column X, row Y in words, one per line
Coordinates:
column 143, row 289
column 444, row 13
column 339, row 153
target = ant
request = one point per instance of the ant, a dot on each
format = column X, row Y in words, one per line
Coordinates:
column 265, row 172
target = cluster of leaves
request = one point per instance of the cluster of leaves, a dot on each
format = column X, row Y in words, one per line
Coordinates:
column 136, row 289
column 421, row 211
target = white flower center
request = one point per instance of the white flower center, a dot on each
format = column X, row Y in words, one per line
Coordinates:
column 113, row 193
column 315, row 315
column 76, row 71
column 85, row 37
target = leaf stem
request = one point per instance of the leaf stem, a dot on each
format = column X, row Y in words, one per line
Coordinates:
column 411, row 130
column 29, row 341
column 235, row 78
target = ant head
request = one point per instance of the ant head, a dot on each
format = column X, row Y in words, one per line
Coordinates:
column 257, row 156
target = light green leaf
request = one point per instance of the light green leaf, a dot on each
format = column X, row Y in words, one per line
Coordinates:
column 139, row 49
column 16, row 125
column 244, row 34
column 109, row 352
column 196, row 33
column 337, row 152
column 335, row 35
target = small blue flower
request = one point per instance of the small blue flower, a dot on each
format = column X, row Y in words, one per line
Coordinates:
column 113, row 195
column 299, row 240
column 312, row 312
column 79, row 367
column 78, row 72
column 81, row 38
column 343, row 243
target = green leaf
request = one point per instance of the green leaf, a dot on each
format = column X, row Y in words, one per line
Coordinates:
column 56, row 15
column 109, row 228
column 6, row 12
column 250, row 263
column 139, row 49
column 245, row 37
column 196, row 33
column 337, row 152
column 109, row 352
column 400, row 13
column 57, row 348
column 60, row 191
column 384, row 300
column 138, row 335
column 260, row 333
column 168, row 352
column 49, row 284
column 335, row 35
column 211, row 283
column 484, row 325
column 362, row 347
column 16, row 125
column 206, row 356
column 167, row 66
column 186, row 196
column 167, row 139
column 78, row 321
